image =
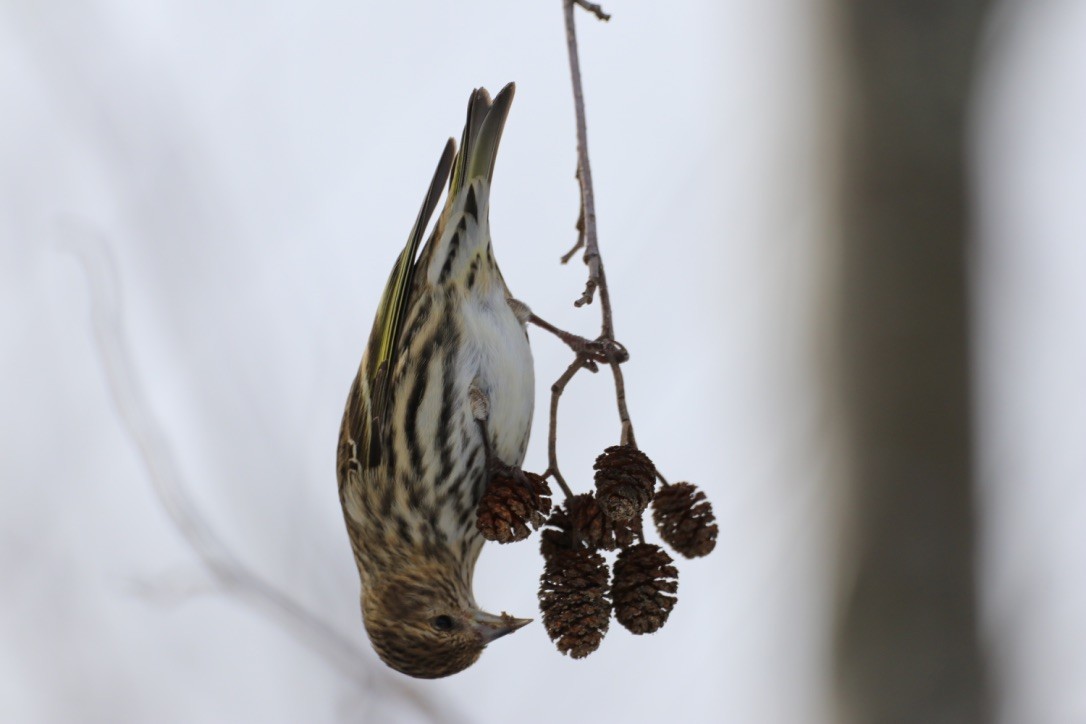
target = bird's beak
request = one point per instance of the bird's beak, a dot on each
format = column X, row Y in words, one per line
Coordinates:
column 490, row 627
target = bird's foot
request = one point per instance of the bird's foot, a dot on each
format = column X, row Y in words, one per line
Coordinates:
column 592, row 351
column 480, row 410
column 495, row 468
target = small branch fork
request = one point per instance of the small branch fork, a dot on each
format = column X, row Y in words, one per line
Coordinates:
column 604, row 349
column 594, row 9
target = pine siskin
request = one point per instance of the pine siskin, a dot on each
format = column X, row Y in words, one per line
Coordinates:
column 444, row 394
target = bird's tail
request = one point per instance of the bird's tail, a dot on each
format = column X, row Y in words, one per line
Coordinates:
column 459, row 249
column 479, row 142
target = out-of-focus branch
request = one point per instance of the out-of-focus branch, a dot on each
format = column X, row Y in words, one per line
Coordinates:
column 143, row 427
column 908, row 647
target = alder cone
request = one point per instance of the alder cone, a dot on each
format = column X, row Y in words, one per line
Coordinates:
column 581, row 523
column 574, row 600
column 644, row 588
column 625, row 482
column 512, row 507
column 684, row 518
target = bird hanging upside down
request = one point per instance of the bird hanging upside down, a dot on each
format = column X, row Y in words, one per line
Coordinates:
column 444, row 394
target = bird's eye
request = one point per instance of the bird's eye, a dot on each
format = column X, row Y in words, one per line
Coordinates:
column 443, row 623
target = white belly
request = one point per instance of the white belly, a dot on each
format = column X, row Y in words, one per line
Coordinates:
column 498, row 361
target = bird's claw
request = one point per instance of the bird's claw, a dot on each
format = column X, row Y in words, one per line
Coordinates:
column 601, row 350
column 496, row 467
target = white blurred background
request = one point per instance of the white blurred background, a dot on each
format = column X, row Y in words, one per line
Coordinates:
column 250, row 170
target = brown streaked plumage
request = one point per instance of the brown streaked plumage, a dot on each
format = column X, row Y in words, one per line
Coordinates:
column 447, row 362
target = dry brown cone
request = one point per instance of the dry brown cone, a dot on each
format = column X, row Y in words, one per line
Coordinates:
column 573, row 598
column 582, row 524
column 644, row 587
column 625, row 478
column 513, row 506
column 685, row 520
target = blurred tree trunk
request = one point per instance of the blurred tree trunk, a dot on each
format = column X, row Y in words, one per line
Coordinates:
column 907, row 648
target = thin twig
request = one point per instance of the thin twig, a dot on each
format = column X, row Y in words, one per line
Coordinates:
column 594, row 9
column 608, row 324
column 620, row 383
column 552, row 437
column 153, row 445
column 613, row 353
column 584, row 168
column 623, row 414
column 580, row 229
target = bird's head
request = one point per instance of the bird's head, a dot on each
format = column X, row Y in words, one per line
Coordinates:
column 424, row 623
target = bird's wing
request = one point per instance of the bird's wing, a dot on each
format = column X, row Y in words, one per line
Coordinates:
column 366, row 416
column 367, row 407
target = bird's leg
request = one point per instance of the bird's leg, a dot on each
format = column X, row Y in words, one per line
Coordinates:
column 480, row 410
column 480, row 404
column 603, row 351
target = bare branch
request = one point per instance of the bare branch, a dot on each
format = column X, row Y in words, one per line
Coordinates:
column 580, row 234
column 604, row 349
column 623, row 414
column 594, row 9
column 584, row 168
column 552, row 437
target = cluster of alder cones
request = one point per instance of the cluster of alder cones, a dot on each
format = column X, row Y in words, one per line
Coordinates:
column 577, row 593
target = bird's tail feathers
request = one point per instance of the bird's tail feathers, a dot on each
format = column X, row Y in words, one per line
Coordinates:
column 479, row 142
column 458, row 250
